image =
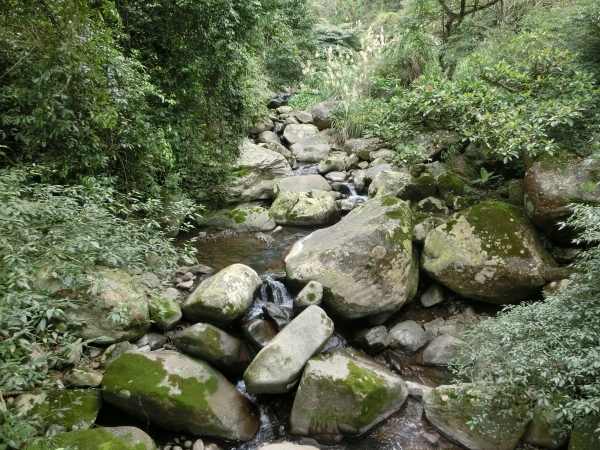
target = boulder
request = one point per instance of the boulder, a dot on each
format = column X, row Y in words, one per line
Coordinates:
column 298, row 184
column 257, row 171
column 268, row 136
column 312, row 149
column 541, row 431
column 286, row 446
column 82, row 377
column 311, row 294
column 385, row 154
column 283, row 151
column 277, row 367
column 303, row 117
column 488, row 252
column 449, row 184
column 433, row 207
column 433, row 295
column 336, row 176
column 372, row 172
column 119, row 294
column 164, row 311
column 262, row 125
column 360, row 180
column 408, row 336
column 224, row 297
column 442, row 350
column 450, row 411
column 365, row 262
column 79, row 408
column 180, row 393
column 306, row 208
column 294, row 133
column 344, row 393
column 554, row 182
column 584, row 435
column 242, row 219
column 259, row 332
column 389, row 183
column 362, row 147
column 113, row 351
column 221, row 350
column 321, row 113
column 372, row 340
column 117, row 438
column 335, row 162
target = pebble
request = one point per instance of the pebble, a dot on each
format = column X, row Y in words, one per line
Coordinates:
column 176, row 441
column 432, row 438
column 169, row 347
column 187, row 444
column 95, row 352
column 177, row 447
column 186, row 284
column 198, row 445
column 187, row 276
column 168, row 447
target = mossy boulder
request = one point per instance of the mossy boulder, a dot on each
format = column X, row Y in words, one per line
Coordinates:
column 223, row 298
column 488, row 252
column 180, row 393
column 221, row 350
column 311, row 294
column 256, row 171
column 117, row 438
column 117, row 312
column 311, row 149
column 541, row 431
column 164, row 311
column 451, row 408
column 78, row 408
column 242, row 219
column 389, row 183
column 306, row 208
column 449, row 184
column 584, row 435
column 335, row 162
column 554, row 182
column 278, row 366
column 344, row 393
column 365, row 262
column 298, row 184
column 295, row 133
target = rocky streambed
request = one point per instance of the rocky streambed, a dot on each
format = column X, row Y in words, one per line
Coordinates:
column 328, row 299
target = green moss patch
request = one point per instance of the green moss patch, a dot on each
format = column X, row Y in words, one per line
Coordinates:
column 94, row 439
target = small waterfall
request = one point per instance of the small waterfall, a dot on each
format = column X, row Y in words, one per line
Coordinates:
column 350, row 191
column 271, row 291
column 305, row 169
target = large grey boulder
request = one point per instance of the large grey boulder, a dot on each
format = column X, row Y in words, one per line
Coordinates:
column 488, row 252
column 278, row 366
column 180, row 393
column 118, row 293
column 295, row 133
column 224, row 297
column 344, row 393
column 312, row 149
column 450, row 411
column 552, row 183
column 442, row 350
column 365, row 262
column 122, row 438
column 362, row 147
column 389, row 183
column 165, row 312
column 263, row 124
column 257, row 170
column 298, row 184
column 335, row 162
column 408, row 336
column 242, row 219
column 321, row 113
column 306, row 208
column 216, row 347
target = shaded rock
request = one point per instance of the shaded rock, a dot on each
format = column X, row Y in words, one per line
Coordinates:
column 417, row 390
column 132, row 436
column 79, row 408
column 286, row 446
column 311, row 294
column 433, row 295
column 408, row 336
column 313, row 149
column 344, row 393
column 114, row 351
column 488, row 252
column 304, row 117
column 259, row 332
column 295, row 133
column 372, row 172
column 306, row 208
column 372, row 340
column 283, row 151
column 450, row 413
column 224, row 297
column 216, row 347
column 119, row 293
column 321, row 113
column 298, row 184
column 83, row 377
column 261, row 126
column 180, row 393
column 442, row 350
column 554, row 182
column 278, row 366
column 121, row 438
column 360, row 180
column 257, row 171
column 449, row 184
column 516, row 191
column 584, row 436
column 365, row 262
column 362, row 147
column 432, row 328
column 242, row 219
column 385, row 154
column 345, row 205
column 279, row 315
column 432, row 206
